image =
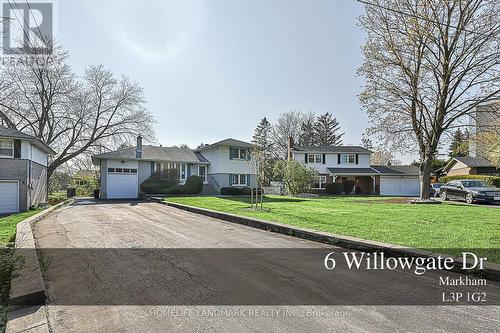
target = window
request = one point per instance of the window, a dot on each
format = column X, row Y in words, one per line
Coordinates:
column 238, row 153
column 321, row 183
column 6, row 148
column 122, row 170
column 239, row 180
column 183, row 171
column 348, row 158
column 319, row 158
column 310, row 158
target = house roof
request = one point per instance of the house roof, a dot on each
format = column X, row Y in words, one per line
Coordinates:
column 332, row 149
column 397, row 169
column 401, row 170
column 227, row 142
column 87, row 173
column 352, row 171
column 472, row 162
column 14, row 134
column 154, row 153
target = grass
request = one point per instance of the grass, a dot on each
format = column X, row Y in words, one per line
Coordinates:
column 7, row 261
column 391, row 220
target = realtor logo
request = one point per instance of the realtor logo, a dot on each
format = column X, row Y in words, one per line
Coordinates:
column 27, row 27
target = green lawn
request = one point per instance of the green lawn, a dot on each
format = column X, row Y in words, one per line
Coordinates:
column 8, row 225
column 7, row 261
column 392, row 220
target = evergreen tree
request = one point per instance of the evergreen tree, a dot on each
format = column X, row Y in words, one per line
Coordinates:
column 327, row 130
column 307, row 134
column 459, row 146
column 261, row 152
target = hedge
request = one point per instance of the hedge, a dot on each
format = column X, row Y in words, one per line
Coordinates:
column 491, row 180
column 158, row 185
column 334, row 188
column 235, row 190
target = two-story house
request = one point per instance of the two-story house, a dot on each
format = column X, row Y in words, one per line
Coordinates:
column 222, row 164
column 339, row 163
column 23, row 171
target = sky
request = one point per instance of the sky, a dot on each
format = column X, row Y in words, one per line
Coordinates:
column 211, row 69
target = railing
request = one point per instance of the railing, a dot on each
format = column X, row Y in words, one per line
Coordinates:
column 217, row 187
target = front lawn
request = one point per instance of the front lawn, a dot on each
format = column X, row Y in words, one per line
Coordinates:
column 7, row 261
column 390, row 220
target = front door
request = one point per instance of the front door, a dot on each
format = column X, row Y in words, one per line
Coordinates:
column 202, row 172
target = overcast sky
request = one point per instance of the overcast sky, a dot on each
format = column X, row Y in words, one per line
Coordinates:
column 212, row 69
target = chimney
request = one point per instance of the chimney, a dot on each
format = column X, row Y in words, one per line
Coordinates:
column 138, row 149
column 290, row 148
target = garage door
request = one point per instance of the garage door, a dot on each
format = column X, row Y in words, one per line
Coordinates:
column 398, row 186
column 9, row 197
column 122, row 186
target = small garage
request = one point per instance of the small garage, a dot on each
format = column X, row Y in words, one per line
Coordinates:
column 122, row 180
column 399, row 185
column 9, row 196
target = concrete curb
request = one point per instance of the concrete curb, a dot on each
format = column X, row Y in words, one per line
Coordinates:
column 491, row 271
column 27, row 287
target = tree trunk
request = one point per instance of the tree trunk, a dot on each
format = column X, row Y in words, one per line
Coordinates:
column 425, row 178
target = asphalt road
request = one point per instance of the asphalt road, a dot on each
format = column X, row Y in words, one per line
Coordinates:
column 140, row 225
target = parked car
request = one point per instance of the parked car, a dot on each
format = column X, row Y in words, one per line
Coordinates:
column 435, row 189
column 470, row 190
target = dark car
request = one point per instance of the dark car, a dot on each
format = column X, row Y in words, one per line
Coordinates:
column 470, row 190
column 434, row 190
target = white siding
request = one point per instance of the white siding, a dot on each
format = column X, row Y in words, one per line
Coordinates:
column 33, row 153
column 331, row 161
column 221, row 163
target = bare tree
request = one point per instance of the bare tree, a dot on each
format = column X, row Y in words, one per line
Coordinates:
column 72, row 115
column 428, row 64
column 287, row 125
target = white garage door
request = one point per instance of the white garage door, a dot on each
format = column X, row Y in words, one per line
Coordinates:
column 398, row 186
column 122, row 186
column 9, row 197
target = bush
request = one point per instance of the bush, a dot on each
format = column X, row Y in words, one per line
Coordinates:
column 235, row 190
column 157, row 184
column 334, row 188
column 348, row 186
column 491, row 180
column 298, row 178
column 193, row 185
column 57, row 197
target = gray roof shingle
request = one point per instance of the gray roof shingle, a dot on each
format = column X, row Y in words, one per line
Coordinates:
column 331, row 149
column 474, row 161
column 403, row 170
column 153, row 153
column 14, row 134
column 228, row 142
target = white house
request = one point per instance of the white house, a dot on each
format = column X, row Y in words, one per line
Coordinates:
column 23, row 171
column 339, row 163
column 222, row 164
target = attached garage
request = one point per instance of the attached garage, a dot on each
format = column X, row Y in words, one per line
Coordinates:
column 399, row 185
column 9, row 196
column 122, row 180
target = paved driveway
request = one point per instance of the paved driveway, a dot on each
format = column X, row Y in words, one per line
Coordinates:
column 148, row 225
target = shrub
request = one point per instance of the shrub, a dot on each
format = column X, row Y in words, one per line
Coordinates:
column 298, row 178
column 157, row 184
column 235, row 190
column 348, row 186
column 491, row 180
column 334, row 188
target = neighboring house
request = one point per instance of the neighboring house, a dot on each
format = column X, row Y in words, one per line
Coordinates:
column 225, row 163
column 23, row 171
column 470, row 166
column 340, row 163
